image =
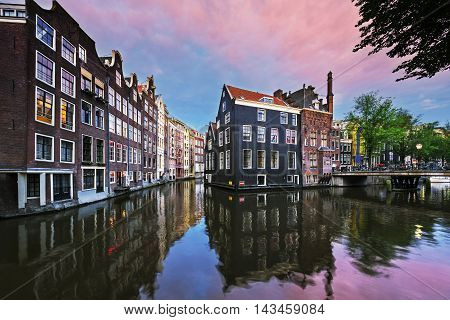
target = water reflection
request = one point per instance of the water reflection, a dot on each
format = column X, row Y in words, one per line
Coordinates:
column 108, row 250
column 181, row 241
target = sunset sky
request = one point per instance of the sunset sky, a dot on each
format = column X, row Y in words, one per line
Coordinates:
column 193, row 47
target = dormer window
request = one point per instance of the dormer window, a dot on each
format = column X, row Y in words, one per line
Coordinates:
column 266, row 100
column 224, row 106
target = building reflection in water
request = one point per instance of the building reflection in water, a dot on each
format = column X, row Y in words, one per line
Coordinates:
column 108, row 250
column 326, row 243
column 284, row 235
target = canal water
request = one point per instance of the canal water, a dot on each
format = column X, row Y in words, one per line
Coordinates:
column 187, row 241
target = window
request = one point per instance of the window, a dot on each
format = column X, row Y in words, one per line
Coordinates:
column 8, row 13
column 125, row 107
column 99, row 118
column 292, row 160
column 135, row 156
column 220, row 138
column 112, row 177
column 44, row 148
column 261, row 134
column 86, row 112
column 68, row 51
column 246, row 133
column 67, row 115
column 118, row 152
column 227, row 118
column 124, row 153
column 274, row 159
column 45, row 33
column 112, row 123
column 290, row 178
column 227, row 159
column 261, row 161
column 283, row 118
column 100, row 151
column 124, row 129
column 67, row 151
column 274, row 135
column 45, row 69
column 224, row 106
column 82, row 54
column 209, row 144
column 134, row 95
column 118, row 126
column 67, row 83
column 86, row 83
column 99, row 92
column 111, row 94
column 261, row 115
column 324, row 140
column 291, row 136
column 246, row 159
column 227, row 136
column 33, row 185
column 261, row 180
column 118, row 99
column 313, row 160
column 112, row 152
column 88, row 179
column 266, row 100
column 118, row 78
column 221, row 161
column 87, row 149
column 44, row 106
column 313, row 139
column 294, row 120
column 130, row 155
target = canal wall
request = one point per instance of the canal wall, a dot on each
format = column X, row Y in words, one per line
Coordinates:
column 357, row 181
column 63, row 205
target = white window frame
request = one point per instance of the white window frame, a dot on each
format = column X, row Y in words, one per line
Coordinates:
column 227, row 159
column 227, row 118
column 53, row 71
column 81, row 112
column 221, row 160
column 243, row 159
column 294, row 120
column 75, row 53
column 257, row 135
column 257, row 159
column 54, row 33
column 35, row 147
column 118, row 78
column 92, row 147
column 263, row 113
column 81, row 49
column 114, row 174
column 286, row 117
column 95, row 117
column 60, row 115
column 95, row 178
column 113, row 151
column 295, row 160
column 227, row 141
column 290, row 178
column 74, row 84
column 220, row 138
column 246, row 126
column 278, row 160
column 265, row 180
column 35, row 107
column 73, row 150
column 278, row 135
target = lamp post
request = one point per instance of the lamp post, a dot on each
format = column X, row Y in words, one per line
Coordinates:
column 418, row 147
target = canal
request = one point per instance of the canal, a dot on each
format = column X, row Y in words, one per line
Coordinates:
column 186, row 241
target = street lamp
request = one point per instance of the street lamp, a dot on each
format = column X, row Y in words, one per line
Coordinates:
column 418, row 147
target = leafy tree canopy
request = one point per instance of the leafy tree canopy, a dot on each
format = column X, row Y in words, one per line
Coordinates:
column 418, row 32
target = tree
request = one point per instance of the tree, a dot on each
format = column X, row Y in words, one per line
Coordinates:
column 426, row 135
column 374, row 117
column 402, row 142
column 418, row 32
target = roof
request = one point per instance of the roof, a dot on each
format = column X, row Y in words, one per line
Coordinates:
column 248, row 95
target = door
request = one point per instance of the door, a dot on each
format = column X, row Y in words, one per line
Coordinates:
column 100, row 178
column 61, row 187
column 119, row 178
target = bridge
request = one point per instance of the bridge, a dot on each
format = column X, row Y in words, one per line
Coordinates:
column 401, row 180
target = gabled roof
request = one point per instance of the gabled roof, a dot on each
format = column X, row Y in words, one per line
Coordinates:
column 237, row 93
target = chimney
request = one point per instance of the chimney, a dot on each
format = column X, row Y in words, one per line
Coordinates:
column 330, row 92
column 278, row 94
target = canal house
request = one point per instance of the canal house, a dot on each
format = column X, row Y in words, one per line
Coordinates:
column 254, row 142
